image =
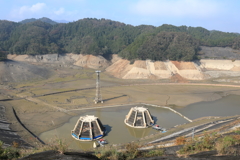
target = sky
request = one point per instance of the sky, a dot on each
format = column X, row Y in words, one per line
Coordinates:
column 222, row 15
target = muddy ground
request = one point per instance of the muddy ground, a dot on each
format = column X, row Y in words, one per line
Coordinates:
column 42, row 105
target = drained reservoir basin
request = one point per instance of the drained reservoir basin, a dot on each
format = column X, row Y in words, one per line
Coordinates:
column 116, row 130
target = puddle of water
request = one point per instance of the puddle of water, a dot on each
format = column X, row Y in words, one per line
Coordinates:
column 117, row 131
column 226, row 106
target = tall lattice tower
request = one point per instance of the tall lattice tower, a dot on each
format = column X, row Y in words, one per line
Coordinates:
column 98, row 97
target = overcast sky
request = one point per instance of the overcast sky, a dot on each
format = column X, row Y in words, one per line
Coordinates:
column 223, row 15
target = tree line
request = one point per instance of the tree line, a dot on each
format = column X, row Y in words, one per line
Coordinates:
column 106, row 37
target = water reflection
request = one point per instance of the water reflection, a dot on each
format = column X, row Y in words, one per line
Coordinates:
column 138, row 132
column 84, row 145
column 107, row 129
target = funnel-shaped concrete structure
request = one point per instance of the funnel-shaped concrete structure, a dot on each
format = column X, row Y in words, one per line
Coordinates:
column 88, row 128
column 139, row 117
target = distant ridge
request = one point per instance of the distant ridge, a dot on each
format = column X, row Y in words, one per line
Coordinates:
column 43, row 19
column 105, row 37
column 61, row 21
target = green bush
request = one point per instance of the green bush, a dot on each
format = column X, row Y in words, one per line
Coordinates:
column 207, row 142
column 154, row 153
column 132, row 151
column 111, row 154
column 9, row 152
column 224, row 145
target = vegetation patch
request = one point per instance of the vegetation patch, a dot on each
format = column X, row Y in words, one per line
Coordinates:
column 129, row 151
column 224, row 145
column 9, row 152
column 106, row 37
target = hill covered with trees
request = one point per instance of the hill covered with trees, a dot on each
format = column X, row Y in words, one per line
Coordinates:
column 43, row 19
column 105, row 37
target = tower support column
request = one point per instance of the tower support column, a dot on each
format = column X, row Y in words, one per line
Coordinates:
column 98, row 97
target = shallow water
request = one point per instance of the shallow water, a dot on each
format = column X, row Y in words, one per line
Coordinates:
column 117, row 131
column 226, row 106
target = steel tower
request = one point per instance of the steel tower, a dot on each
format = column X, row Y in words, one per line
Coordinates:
column 98, row 97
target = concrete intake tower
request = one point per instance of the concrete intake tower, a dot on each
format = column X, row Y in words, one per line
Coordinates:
column 139, row 117
column 88, row 128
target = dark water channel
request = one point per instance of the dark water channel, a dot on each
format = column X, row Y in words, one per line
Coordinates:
column 118, row 132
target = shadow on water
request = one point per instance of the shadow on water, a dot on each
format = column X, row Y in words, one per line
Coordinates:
column 107, row 129
column 155, row 119
column 138, row 132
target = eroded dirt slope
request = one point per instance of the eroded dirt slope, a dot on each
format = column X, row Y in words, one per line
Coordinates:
column 88, row 61
column 140, row 69
column 149, row 69
column 15, row 71
column 197, row 70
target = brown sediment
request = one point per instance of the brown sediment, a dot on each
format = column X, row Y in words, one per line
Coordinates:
column 158, row 65
column 184, row 65
column 140, row 64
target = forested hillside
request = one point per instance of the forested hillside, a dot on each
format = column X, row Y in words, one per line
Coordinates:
column 106, row 37
column 44, row 19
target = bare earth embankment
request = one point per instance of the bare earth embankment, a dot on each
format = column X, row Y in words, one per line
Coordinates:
column 199, row 70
